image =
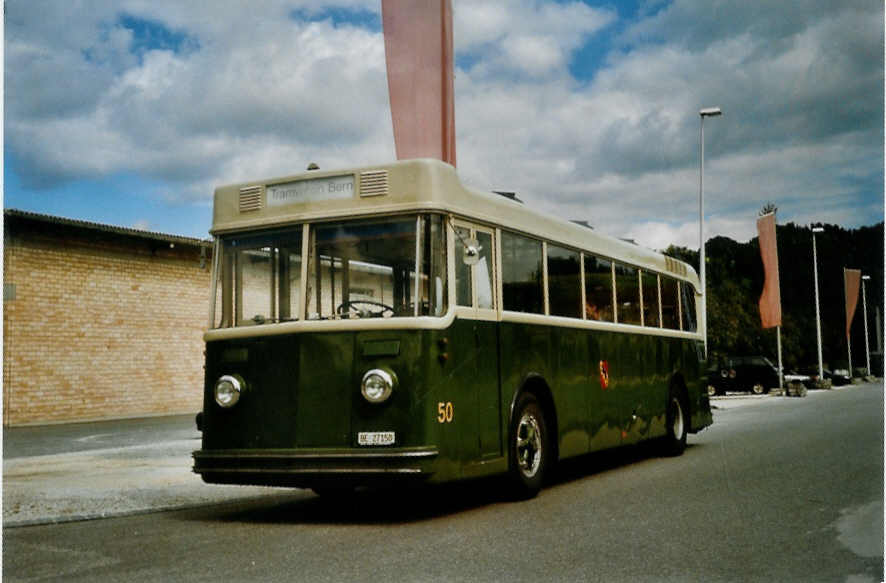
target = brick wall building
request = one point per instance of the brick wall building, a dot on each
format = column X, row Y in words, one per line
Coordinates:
column 100, row 322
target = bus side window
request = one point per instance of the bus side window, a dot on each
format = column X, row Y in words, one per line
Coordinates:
column 627, row 290
column 564, row 282
column 521, row 267
column 462, row 271
column 688, row 297
column 598, row 289
column 483, row 272
column 650, row 300
column 434, row 266
column 669, row 310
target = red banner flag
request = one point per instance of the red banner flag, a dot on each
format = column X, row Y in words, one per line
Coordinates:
column 851, row 283
column 770, row 299
column 418, row 49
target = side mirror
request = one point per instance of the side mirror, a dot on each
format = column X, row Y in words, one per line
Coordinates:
column 471, row 253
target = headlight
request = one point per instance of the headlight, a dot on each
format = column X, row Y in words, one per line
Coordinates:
column 227, row 391
column 377, row 385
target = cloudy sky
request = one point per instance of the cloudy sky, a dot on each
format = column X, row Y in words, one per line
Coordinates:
column 130, row 112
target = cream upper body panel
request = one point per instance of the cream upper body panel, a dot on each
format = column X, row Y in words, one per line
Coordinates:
column 410, row 185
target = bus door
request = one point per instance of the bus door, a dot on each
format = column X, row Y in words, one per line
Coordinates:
column 474, row 345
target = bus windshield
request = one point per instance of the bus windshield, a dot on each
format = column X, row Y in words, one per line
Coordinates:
column 377, row 268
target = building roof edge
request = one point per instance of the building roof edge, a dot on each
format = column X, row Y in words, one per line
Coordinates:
column 153, row 235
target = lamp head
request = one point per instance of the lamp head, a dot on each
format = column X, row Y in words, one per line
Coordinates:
column 710, row 112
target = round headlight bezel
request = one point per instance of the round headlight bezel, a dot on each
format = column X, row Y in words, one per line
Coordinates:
column 234, row 392
column 377, row 385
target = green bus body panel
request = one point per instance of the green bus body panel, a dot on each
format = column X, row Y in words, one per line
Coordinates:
column 298, row 421
column 591, row 413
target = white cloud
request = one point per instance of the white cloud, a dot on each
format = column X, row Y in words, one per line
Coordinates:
column 313, row 86
column 524, row 37
column 266, row 91
column 800, row 129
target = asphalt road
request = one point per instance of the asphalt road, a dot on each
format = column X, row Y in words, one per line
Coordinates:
column 73, row 437
column 777, row 490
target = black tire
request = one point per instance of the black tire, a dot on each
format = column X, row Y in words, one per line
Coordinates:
column 528, row 448
column 758, row 389
column 334, row 493
column 674, row 443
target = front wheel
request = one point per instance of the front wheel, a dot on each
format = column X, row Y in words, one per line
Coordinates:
column 758, row 389
column 528, row 449
column 675, row 440
column 334, row 493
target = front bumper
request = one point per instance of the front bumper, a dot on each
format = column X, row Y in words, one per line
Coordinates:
column 308, row 468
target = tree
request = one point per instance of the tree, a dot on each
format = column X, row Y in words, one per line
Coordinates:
column 735, row 282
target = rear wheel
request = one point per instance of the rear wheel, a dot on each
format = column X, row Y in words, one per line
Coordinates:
column 334, row 493
column 675, row 440
column 758, row 389
column 528, row 450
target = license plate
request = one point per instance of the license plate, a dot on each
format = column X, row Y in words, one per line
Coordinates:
column 375, row 438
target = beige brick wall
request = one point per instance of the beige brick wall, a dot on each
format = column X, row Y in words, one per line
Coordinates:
column 102, row 326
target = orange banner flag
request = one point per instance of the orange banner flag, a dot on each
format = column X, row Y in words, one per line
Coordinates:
column 851, row 283
column 418, row 50
column 770, row 299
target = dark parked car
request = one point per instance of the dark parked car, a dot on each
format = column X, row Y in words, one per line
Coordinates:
column 793, row 376
column 754, row 374
column 837, row 377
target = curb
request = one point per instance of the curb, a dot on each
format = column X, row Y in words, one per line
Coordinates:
column 111, row 482
column 130, row 512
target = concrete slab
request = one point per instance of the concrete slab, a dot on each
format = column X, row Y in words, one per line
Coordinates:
column 112, row 481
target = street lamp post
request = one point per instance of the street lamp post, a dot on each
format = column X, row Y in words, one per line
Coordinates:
column 864, row 303
column 703, row 113
column 817, row 309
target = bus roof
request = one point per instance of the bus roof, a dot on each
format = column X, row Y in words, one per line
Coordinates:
column 410, row 185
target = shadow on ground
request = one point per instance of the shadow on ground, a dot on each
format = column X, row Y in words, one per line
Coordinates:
column 415, row 503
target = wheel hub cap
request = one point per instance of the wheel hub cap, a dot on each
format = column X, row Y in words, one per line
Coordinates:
column 678, row 420
column 528, row 445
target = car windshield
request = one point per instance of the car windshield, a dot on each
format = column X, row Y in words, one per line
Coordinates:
column 381, row 268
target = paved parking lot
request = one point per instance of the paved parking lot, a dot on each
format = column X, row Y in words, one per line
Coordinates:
column 60, row 473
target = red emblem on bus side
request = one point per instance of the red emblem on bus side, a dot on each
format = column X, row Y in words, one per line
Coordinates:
column 604, row 374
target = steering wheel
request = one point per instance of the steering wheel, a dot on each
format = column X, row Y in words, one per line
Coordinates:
column 350, row 306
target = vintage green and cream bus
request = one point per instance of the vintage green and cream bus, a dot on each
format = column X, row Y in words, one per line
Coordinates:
column 386, row 324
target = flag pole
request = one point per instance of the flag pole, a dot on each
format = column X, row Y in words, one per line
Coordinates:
column 780, row 368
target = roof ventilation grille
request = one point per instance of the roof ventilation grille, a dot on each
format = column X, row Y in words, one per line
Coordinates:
column 675, row 266
column 374, row 183
column 250, row 198
column 508, row 195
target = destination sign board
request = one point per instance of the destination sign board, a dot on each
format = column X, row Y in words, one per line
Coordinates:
column 315, row 189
